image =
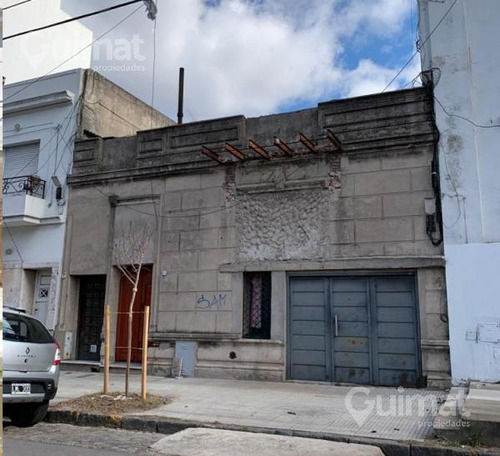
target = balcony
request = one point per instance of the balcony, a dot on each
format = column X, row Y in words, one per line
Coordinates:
column 28, row 185
column 24, row 203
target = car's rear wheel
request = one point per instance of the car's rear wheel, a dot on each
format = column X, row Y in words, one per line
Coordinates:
column 25, row 415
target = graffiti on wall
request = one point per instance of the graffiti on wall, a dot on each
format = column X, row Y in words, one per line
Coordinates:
column 216, row 301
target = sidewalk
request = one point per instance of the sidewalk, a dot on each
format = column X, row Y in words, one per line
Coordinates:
column 475, row 414
column 373, row 412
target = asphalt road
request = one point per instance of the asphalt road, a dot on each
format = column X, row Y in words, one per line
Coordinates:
column 68, row 440
column 16, row 447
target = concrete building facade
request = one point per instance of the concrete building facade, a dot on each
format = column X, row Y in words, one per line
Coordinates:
column 277, row 252
column 42, row 119
column 459, row 58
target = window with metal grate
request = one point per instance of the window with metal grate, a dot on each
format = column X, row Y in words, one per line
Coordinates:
column 257, row 305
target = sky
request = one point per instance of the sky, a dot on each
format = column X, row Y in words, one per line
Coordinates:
column 251, row 57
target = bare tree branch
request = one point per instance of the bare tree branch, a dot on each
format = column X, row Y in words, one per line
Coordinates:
column 129, row 251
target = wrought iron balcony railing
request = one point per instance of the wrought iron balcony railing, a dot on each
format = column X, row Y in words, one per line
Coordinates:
column 29, row 185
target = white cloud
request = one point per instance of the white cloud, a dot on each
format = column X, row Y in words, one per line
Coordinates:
column 251, row 56
column 369, row 77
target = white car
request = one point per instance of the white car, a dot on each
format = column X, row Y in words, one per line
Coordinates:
column 31, row 358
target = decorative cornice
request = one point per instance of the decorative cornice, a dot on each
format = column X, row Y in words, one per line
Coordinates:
column 339, row 264
column 42, row 101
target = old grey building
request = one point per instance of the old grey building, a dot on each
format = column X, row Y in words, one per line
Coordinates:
column 290, row 246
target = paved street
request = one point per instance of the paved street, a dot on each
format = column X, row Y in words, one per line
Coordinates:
column 62, row 440
column 389, row 413
column 28, row 448
column 55, row 440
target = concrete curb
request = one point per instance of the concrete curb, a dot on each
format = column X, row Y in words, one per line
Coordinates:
column 164, row 425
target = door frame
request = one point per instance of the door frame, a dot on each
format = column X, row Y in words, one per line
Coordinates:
column 150, row 268
column 355, row 274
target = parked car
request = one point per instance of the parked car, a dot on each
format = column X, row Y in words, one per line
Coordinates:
column 31, row 358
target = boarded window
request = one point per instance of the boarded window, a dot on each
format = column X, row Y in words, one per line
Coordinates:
column 21, row 160
column 257, row 305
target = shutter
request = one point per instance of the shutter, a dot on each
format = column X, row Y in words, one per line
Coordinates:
column 21, row 160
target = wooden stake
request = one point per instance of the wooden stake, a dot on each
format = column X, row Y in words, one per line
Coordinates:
column 107, row 343
column 145, row 337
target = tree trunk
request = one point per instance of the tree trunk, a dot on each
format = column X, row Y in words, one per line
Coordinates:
column 129, row 333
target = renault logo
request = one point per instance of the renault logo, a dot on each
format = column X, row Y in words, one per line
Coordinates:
column 27, row 351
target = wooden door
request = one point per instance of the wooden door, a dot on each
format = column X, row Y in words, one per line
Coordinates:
column 142, row 299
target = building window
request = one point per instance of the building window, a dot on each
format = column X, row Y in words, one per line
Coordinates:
column 21, row 160
column 257, row 305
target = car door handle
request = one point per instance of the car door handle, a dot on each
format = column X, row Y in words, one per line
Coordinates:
column 336, row 325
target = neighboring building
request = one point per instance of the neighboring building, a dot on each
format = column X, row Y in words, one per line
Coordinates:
column 42, row 118
column 461, row 59
column 313, row 265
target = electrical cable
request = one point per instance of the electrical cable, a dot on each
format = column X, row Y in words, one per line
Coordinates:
column 15, row 4
column 56, row 133
column 112, row 112
column 71, row 19
column 152, row 109
column 34, row 81
column 411, row 24
column 420, row 46
column 153, row 74
column 5, row 224
column 464, row 118
column 66, row 119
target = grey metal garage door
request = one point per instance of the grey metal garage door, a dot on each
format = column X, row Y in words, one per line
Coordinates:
column 354, row 329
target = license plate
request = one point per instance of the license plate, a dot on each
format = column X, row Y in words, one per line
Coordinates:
column 21, row 388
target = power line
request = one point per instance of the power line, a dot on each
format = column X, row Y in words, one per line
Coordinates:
column 71, row 19
column 13, row 241
column 34, row 81
column 56, row 133
column 411, row 24
column 15, row 4
column 66, row 119
column 112, row 112
column 64, row 140
column 153, row 74
column 464, row 118
column 152, row 108
column 420, row 46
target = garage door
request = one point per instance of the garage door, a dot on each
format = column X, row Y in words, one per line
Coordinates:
column 354, row 329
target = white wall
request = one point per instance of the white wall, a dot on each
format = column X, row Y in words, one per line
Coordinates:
column 464, row 53
column 37, row 53
column 474, row 294
column 40, row 246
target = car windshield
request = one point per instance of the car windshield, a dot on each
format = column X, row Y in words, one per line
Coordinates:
column 24, row 329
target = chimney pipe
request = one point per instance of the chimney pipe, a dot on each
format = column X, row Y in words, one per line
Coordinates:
column 180, row 113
